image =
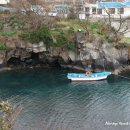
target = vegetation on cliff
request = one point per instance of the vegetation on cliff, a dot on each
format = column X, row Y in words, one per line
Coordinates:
column 57, row 32
column 2, row 46
column 33, row 24
column 8, row 115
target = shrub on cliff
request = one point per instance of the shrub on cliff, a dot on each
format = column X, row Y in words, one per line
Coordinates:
column 40, row 34
column 8, row 34
column 2, row 46
column 64, row 41
column 8, row 115
column 61, row 39
column 64, row 38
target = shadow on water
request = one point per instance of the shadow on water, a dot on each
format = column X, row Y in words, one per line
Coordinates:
column 51, row 102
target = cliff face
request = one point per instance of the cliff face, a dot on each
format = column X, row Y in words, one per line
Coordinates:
column 95, row 56
column 103, row 54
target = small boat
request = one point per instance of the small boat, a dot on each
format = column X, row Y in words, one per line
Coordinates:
column 88, row 77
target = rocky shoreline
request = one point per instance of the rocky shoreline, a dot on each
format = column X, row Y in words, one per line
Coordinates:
column 71, row 67
column 120, row 70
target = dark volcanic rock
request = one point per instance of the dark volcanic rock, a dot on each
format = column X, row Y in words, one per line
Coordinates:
column 95, row 56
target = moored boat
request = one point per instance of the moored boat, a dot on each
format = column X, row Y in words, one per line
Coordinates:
column 88, row 77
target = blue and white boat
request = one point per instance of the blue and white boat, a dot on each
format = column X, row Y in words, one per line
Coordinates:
column 88, row 77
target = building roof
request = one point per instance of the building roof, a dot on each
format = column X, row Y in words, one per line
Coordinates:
column 113, row 4
column 127, row 3
column 4, row 1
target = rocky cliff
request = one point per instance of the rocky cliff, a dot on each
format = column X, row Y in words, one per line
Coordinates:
column 95, row 56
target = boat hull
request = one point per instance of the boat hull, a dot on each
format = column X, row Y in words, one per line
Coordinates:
column 84, row 77
column 88, row 79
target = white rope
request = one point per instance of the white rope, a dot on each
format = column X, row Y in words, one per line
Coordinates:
column 122, row 76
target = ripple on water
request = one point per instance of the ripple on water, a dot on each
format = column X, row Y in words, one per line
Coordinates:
column 50, row 102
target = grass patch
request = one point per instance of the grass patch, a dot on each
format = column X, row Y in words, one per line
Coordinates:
column 8, row 34
column 63, row 38
column 121, row 45
column 2, row 46
column 126, row 39
column 71, row 46
column 69, row 23
column 40, row 34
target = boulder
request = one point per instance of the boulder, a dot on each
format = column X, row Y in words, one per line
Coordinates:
column 72, row 56
column 10, row 44
column 2, row 57
column 38, row 47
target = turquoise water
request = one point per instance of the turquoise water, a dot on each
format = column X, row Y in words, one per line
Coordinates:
column 51, row 102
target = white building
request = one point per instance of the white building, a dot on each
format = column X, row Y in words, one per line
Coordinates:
column 38, row 9
column 101, row 9
column 4, row 2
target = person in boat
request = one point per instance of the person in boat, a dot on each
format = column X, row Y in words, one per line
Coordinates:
column 88, row 73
